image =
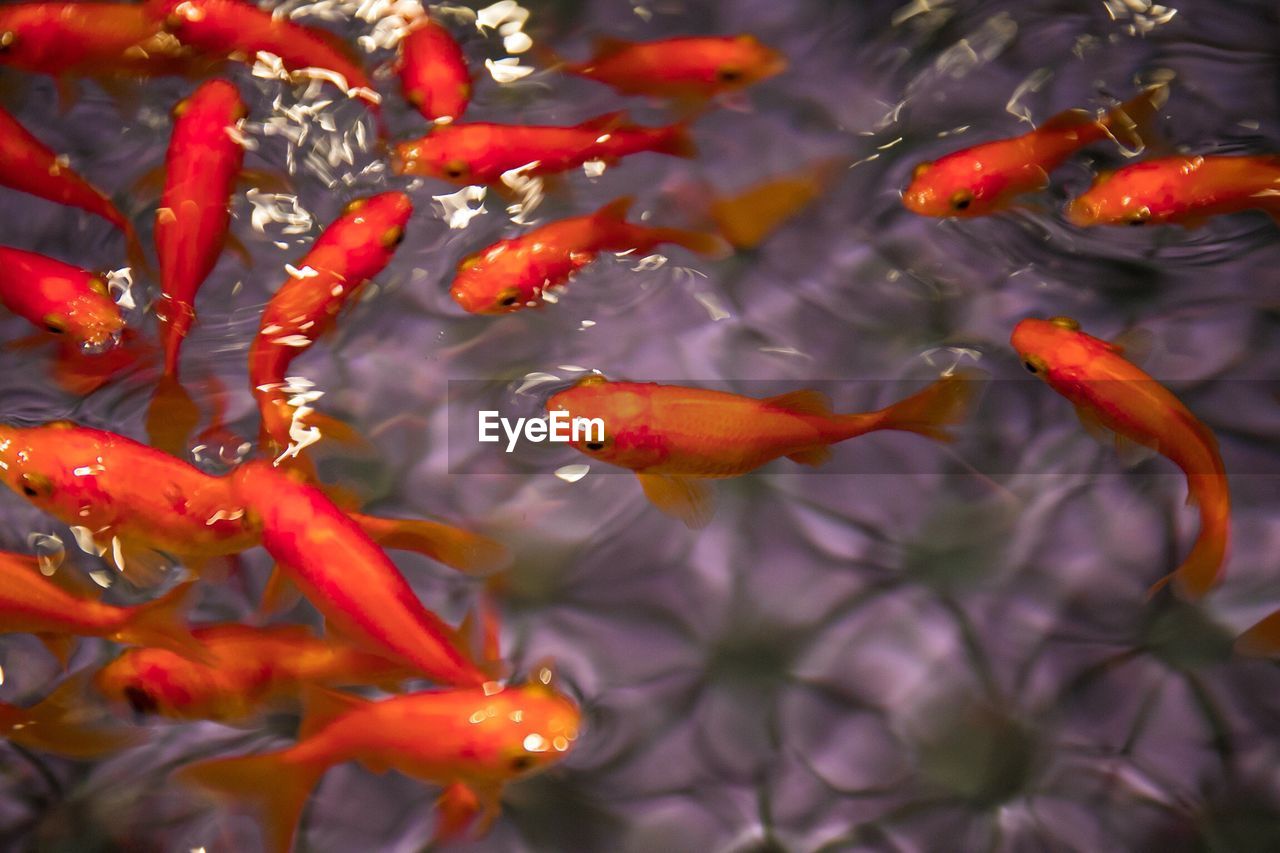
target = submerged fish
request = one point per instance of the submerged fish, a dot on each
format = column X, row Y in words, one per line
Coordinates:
column 60, row 298
column 1186, row 190
column 1111, row 393
column 480, row 153
column 513, row 274
column 675, row 438
column 472, row 742
column 433, row 72
column 63, row 723
column 987, row 178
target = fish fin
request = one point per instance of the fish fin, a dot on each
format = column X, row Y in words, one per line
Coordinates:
column 678, row 142
column 688, row 499
column 237, row 247
column 456, row 810
column 280, row 595
column 1132, row 452
column 616, row 210
column 321, row 706
column 607, row 121
column 699, row 242
column 813, row 456
column 150, row 183
column 59, row 645
column 930, row 412
column 481, row 630
column 806, row 401
column 1068, row 120
column 68, row 93
column 162, row 624
column 1135, row 345
column 278, row 786
column 141, row 566
column 603, row 47
column 34, row 340
column 172, row 417
column 457, row 548
column 262, row 179
column 64, row 723
column 1261, row 640
column 135, row 254
column 1132, row 124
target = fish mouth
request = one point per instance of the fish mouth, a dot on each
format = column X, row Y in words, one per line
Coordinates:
column 1081, row 213
column 98, row 344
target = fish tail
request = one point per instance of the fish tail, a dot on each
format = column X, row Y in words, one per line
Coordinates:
column 457, row 548
column 1132, row 124
column 162, row 624
column 698, row 242
column 676, row 140
column 930, row 412
column 134, row 253
column 61, row 724
column 274, row 783
column 172, row 417
column 1202, row 569
column 1263, row 639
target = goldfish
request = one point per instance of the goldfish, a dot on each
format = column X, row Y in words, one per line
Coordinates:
column 748, row 218
column 346, row 576
column 29, row 166
column 1111, row 393
column 480, row 153
column 62, row 723
column 194, row 217
column 237, row 29
column 674, row 438
column 987, row 178
column 433, row 72
column 691, row 67
column 353, row 249
column 472, row 742
column 1186, row 189
column 82, row 39
column 248, row 669
column 60, row 298
column 33, row 604
column 136, row 505
column 513, row 274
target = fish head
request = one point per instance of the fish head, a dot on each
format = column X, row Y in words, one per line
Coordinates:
column 88, row 317
column 746, row 62
column 371, row 229
column 51, row 466
column 961, row 185
column 439, row 154
column 493, row 281
column 1136, row 195
column 1049, row 348
column 542, row 725
column 151, row 681
column 610, row 421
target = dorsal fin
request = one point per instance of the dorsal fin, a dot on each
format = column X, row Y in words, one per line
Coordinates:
column 616, row 210
column 607, row 122
column 806, row 401
column 1068, row 119
column 602, row 47
column 321, row 706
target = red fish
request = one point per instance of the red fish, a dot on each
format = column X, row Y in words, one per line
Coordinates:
column 1111, row 393
column 1186, row 189
column 30, row 166
column 241, row 30
column 346, row 576
column 513, row 274
column 249, row 669
column 480, row 153
column 475, row 742
column 60, row 298
column 433, row 72
column 692, row 67
column 987, row 178
column 31, row 603
column 192, row 222
column 674, row 438
column 63, row 724
column 87, row 39
column 356, row 247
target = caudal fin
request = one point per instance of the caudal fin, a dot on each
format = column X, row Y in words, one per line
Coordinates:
column 1202, row 568
column 676, row 140
column 273, row 783
column 930, row 412
column 172, row 417
column 1132, row 124
column 457, row 548
column 699, row 242
column 65, row 723
column 162, row 624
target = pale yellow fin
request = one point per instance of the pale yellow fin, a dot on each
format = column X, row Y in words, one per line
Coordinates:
column 65, row 723
column 1093, row 425
column 806, row 401
column 280, row 594
column 1263, row 639
column 162, row 624
column 690, row 500
column 457, row 548
column 276, row 784
column 1133, row 453
column 172, row 417
column 1132, row 124
column 141, row 566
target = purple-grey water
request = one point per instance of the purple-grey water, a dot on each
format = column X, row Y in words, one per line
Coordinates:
column 951, row 650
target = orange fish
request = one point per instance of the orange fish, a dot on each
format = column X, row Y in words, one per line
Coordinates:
column 87, row 39
column 480, row 153
column 60, row 298
column 194, row 217
column 30, row 166
column 346, row 576
column 1110, row 393
column 471, row 742
column 30, row 603
column 356, row 247
column 249, row 669
column 234, row 28
column 433, row 72
column 987, row 178
column 690, row 68
column 674, row 438
column 513, row 274
column 750, row 217
column 63, row 724
column 1186, row 189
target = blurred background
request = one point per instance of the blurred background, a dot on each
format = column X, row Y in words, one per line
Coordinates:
column 924, row 648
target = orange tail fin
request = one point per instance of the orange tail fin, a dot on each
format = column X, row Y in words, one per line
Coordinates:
column 457, row 548
column 943, row 404
column 1132, row 124
column 63, row 723
column 677, row 140
column 277, row 785
column 161, row 624
column 172, row 417
column 1202, row 568
column 698, row 242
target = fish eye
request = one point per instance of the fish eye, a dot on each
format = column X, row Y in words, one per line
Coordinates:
column 1031, row 368
column 455, row 169
column 521, row 763
column 394, row 237
column 1138, row 217
column 140, row 700
column 961, row 199
column 35, row 485
column 508, row 297
column 54, row 326
column 919, row 170
column 180, row 109
column 7, row 39
column 415, row 97
column 729, row 74
column 354, row 205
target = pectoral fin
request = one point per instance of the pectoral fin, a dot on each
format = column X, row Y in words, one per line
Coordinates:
column 279, row 595
column 690, row 500
column 140, row 565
